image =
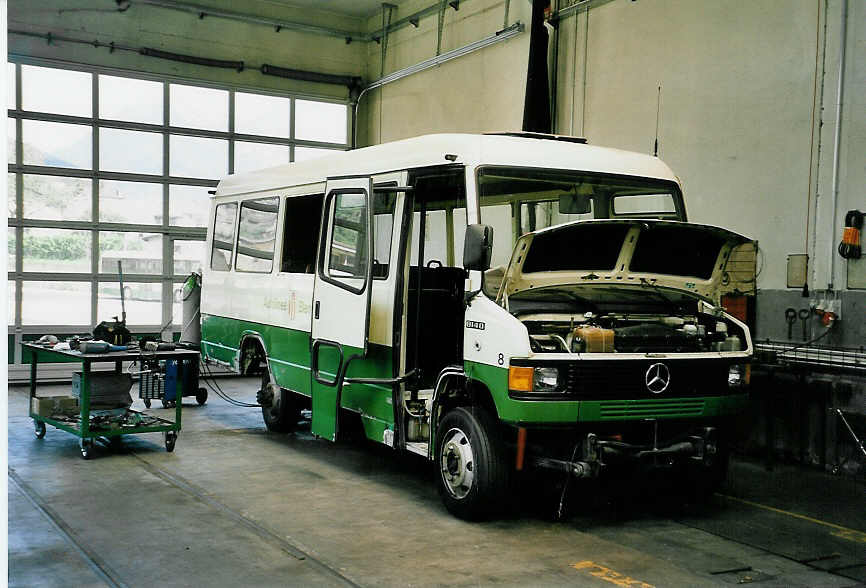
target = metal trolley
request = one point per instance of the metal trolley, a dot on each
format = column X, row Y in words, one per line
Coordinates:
column 81, row 424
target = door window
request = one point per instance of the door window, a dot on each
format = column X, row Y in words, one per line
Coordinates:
column 346, row 257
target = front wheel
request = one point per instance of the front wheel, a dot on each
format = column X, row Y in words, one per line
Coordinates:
column 473, row 475
column 39, row 429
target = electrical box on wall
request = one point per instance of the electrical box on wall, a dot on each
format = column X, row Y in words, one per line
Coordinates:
column 798, row 263
column 857, row 274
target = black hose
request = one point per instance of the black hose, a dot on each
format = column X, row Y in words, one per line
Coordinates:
column 219, row 391
column 849, row 248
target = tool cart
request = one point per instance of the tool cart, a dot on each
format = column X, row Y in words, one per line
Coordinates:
column 79, row 419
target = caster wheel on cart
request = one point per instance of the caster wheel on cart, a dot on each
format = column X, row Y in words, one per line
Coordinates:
column 147, row 402
column 39, row 428
column 201, row 396
column 86, row 448
column 170, row 440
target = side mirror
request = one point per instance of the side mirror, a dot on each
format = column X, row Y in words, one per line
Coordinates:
column 571, row 203
column 478, row 247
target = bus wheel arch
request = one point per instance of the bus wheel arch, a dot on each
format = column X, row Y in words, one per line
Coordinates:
column 252, row 356
column 454, row 388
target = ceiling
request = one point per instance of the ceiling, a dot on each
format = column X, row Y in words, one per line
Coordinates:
column 354, row 8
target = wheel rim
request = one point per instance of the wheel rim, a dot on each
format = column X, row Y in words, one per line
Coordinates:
column 457, row 463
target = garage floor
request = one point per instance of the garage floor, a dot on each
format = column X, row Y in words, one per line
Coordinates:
column 235, row 505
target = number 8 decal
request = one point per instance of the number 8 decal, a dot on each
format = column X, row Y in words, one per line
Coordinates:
column 501, row 359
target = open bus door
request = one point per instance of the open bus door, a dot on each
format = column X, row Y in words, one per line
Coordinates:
column 341, row 295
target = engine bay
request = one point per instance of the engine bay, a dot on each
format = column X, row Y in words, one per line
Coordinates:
column 623, row 320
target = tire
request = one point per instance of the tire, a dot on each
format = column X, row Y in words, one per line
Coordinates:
column 279, row 415
column 147, row 402
column 474, row 478
column 201, row 396
column 86, row 448
column 39, row 429
column 170, row 440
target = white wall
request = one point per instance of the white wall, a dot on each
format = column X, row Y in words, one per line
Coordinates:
column 480, row 92
column 738, row 82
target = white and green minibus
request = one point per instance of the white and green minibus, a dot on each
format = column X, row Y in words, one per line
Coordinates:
column 495, row 303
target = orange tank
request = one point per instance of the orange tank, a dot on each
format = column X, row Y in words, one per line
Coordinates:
column 595, row 339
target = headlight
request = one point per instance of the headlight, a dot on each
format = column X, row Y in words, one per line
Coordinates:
column 545, row 379
column 541, row 380
column 739, row 375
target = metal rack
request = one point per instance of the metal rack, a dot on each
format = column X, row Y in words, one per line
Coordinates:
column 777, row 357
column 815, row 357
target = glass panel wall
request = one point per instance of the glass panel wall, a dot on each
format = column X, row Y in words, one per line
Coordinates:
column 146, row 184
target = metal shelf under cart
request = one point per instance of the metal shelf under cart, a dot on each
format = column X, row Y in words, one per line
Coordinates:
column 87, row 428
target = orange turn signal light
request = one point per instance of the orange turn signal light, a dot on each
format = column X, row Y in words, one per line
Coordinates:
column 520, row 379
column 748, row 375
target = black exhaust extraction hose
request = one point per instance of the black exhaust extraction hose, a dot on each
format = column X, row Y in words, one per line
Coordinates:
column 150, row 52
column 536, row 105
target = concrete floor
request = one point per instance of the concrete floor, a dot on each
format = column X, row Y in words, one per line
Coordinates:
column 235, row 505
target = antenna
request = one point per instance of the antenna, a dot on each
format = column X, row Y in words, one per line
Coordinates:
column 658, row 111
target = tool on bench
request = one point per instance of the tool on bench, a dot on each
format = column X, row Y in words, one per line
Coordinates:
column 791, row 317
column 804, row 315
column 99, row 347
column 115, row 332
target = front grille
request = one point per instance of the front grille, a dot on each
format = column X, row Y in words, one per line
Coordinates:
column 626, row 379
column 618, row 409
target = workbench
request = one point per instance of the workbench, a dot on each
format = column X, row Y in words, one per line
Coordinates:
column 81, row 425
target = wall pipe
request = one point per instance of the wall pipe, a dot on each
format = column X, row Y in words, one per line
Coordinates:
column 496, row 37
column 837, row 140
column 277, row 24
column 351, row 82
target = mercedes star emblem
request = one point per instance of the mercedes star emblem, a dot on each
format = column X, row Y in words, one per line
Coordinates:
column 658, row 378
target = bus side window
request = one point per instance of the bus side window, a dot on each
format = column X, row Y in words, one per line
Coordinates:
column 223, row 237
column 257, row 233
column 300, row 233
column 383, row 227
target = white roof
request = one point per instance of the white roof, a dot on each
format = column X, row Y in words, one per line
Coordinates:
column 430, row 150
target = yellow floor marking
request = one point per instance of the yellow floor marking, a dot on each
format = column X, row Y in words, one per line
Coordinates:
column 840, row 531
column 608, row 575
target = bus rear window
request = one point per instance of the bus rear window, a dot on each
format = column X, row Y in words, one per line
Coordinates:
column 223, row 236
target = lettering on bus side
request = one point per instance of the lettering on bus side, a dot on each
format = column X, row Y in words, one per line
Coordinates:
column 475, row 325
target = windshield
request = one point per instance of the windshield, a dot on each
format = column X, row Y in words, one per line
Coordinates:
column 517, row 200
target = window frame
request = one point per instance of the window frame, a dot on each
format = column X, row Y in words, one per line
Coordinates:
column 320, row 195
column 213, row 241
column 237, row 239
column 325, row 244
column 168, row 228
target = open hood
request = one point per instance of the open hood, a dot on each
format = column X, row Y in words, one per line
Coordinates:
column 668, row 254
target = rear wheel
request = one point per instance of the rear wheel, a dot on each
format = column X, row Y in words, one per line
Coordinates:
column 473, row 470
column 278, row 410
